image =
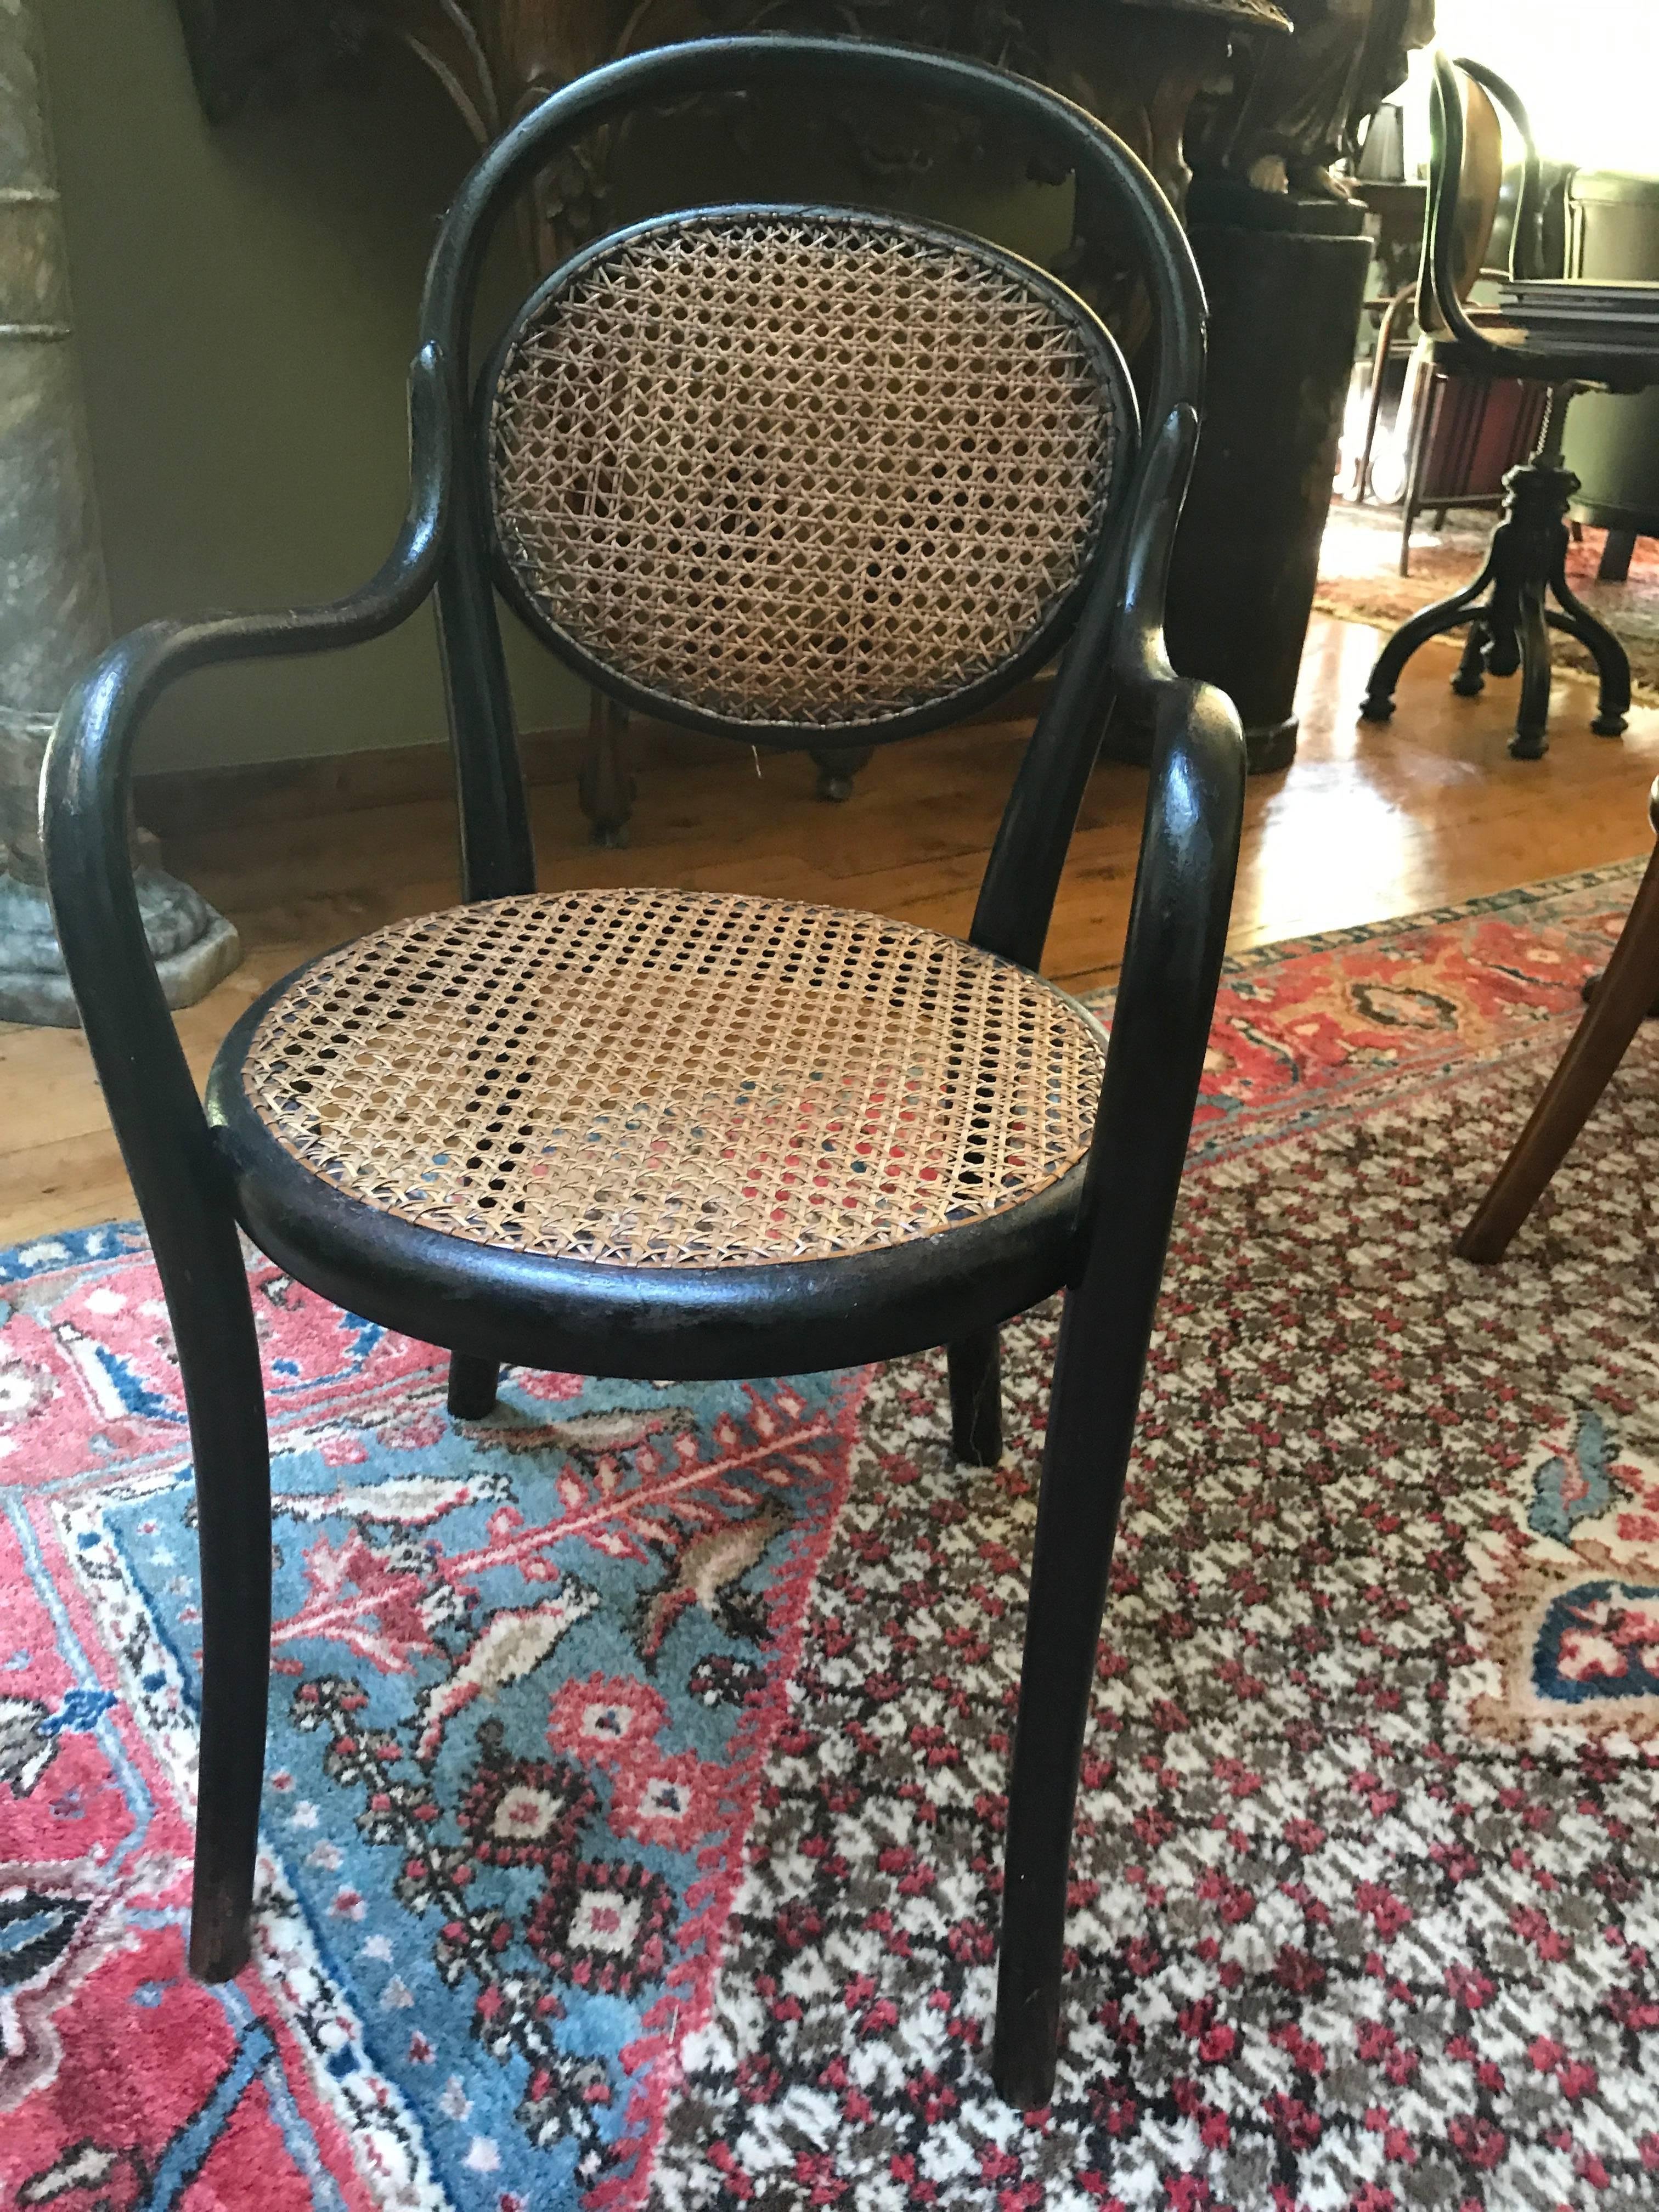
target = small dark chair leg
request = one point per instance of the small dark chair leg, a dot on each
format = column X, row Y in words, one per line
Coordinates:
column 1470, row 678
column 1503, row 626
column 472, row 1383
column 1532, row 722
column 219, row 1359
column 837, row 766
column 1614, row 565
column 1090, row 1430
column 1612, row 661
column 976, row 1367
column 604, row 785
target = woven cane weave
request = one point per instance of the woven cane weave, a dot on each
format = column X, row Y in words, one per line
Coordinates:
column 675, row 1078
column 806, row 472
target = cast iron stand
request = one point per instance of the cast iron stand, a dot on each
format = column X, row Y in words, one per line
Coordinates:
column 1509, row 628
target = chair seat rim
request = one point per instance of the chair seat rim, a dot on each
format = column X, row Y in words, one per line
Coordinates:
column 631, row 1323
column 1622, row 373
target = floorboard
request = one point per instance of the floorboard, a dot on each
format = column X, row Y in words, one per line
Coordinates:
column 1368, row 824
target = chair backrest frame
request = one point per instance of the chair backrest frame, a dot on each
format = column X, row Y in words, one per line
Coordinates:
column 1440, row 292
column 1124, row 593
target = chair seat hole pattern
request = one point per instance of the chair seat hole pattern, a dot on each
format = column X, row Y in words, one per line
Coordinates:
column 675, row 1078
column 803, row 471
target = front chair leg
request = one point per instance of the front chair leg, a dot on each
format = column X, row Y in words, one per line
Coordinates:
column 976, row 1369
column 219, row 1359
column 472, row 1386
column 1084, row 1460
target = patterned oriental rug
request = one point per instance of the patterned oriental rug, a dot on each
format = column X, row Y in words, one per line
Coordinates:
column 1358, row 558
column 636, row 1779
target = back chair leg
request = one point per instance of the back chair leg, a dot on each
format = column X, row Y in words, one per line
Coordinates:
column 219, row 1358
column 1612, row 661
column 1470, row 678
column 472, row 1386
column 1532, row 722
column 975, row 1367
column 1503, row 628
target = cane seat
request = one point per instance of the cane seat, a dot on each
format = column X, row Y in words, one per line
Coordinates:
column 661, row 1079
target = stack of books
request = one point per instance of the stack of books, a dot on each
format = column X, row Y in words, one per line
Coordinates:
column 1603, row 317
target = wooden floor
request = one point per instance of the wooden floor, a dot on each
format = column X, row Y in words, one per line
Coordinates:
column 1369, row 822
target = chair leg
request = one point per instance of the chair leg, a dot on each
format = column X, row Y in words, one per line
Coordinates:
column 472, row 1384
column 605, row 787
column 837, row 766
column 219, row 1359
column 1374, row 397
column 1419, row 396
column 1503, row 628
column 1614, row 565
column 1531, row 738
column 1470, row 678
column 1612, row 661
column 1085, row 1456
column 1448, row 614
column 975, row 1369
column 1625, row 994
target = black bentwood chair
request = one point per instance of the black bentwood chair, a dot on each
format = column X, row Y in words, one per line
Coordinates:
column 764, row 471
column 1504, row 609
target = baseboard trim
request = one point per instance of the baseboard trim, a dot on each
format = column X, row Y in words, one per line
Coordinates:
column 183, row 803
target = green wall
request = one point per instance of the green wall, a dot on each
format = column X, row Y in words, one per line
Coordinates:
column 246, row 300
column 245, row 297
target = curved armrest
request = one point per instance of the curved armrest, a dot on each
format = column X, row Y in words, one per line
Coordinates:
column 1116, row 650
column 1172, row 958
column 1183, row 892
column 147, row 1082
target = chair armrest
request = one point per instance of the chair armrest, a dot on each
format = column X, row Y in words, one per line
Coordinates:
column 84, row 794
column 1184, row 892
column 1172, row 958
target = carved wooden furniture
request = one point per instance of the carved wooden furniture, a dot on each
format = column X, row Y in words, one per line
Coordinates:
column 1504, row 609
column 1300, row 105
column 770, row 471
column 1625, row 992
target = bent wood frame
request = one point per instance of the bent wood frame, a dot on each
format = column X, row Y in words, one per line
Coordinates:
column 1101, row 1234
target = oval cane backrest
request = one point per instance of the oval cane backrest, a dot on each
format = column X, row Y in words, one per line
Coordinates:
column 768, row 469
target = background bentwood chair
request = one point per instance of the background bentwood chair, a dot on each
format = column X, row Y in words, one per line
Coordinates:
column 1505, row 608
column 1620, row 1000
column 763, row 471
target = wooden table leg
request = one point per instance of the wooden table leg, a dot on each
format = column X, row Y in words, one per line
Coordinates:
column 1624, row 995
